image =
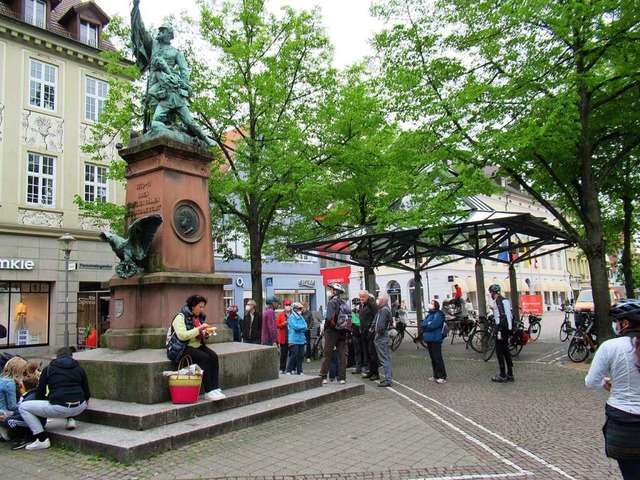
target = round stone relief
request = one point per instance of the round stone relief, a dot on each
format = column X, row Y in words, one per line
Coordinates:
column 187, row 222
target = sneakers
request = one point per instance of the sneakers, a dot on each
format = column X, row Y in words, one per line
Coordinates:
column 215, row 395
column 499, row 379
column 71, row 423
column 432, row 379
column 20, row 444
column 308, row 360
column 356, row 371
column 385, row 384
column 441, row 381
column 38, row 445
column 366, row 375
column 288, row 373
column 342, row 382
column 4, row 433
column 510, row 378
column 374, row 377
column 325, row 381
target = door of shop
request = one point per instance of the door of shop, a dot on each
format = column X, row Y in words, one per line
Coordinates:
column 93, row 313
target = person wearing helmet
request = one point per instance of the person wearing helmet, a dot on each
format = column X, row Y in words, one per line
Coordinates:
column 504, row 320
column 251, row 323
column 282, row 325
column 296, row 339
column 233, row 321
column 269, row 331
column 332, row 337
column 616, row 368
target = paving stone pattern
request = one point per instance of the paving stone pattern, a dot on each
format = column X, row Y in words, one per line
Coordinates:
column 545, row 425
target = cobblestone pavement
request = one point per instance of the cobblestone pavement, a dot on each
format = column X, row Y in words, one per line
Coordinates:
column 545, row 425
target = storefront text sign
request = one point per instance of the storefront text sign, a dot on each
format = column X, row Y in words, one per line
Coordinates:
column 16, row 264
column 307, row 283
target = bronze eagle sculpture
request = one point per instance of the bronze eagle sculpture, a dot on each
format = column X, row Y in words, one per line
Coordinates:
column 133, row 250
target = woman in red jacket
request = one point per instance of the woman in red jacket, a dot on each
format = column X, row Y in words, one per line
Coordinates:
column 283, row 334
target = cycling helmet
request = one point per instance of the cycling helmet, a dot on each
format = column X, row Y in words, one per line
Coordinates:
column 355, row 301
column 272, row 300
column 495, row 288
column 336, row 286
column 296, row 305
column 627, row 309
column 232, row 309
column 287, row 302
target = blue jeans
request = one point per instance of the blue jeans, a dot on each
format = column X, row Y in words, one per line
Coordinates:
column 296, row 355
column 382, row 349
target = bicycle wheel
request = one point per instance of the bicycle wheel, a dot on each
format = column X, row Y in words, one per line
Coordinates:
column 454, row 330
column 396, row 341
column 476, row 340
column 564, row 334
column 466, row 332
column 489, row 346
column 318, row 348
column 578, row 350
column 515, row 347
column 534, row 330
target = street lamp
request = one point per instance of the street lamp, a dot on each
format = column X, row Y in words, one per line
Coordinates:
column 65, row 244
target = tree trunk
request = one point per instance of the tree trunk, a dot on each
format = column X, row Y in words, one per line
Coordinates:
column 627, row 233
column 255, row 256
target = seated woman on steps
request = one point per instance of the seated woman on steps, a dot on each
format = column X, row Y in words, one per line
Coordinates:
column 189, row 334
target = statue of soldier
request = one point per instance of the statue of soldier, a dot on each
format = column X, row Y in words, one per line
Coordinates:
column 168, row 88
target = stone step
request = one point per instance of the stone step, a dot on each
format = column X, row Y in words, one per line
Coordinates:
column 136, row 416
column 125, row 445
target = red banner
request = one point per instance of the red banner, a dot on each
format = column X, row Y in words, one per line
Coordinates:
column 335, row 275
column 531, row 304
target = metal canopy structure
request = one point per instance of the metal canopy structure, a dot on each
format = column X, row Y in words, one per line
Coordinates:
column 504, row 237
column 499, row 236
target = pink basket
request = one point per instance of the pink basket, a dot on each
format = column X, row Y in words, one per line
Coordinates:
column 184, row 388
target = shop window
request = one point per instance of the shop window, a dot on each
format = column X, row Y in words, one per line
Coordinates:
column 24, row 312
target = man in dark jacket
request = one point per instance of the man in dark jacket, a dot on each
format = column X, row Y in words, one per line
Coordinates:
column 333, row 337
column 251, row 324
column 68, row 396
column 368, row 310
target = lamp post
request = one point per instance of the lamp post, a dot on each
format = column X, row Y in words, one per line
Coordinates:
column 65, row 244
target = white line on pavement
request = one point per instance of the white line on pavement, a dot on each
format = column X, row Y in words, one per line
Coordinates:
column 471, row 477
column 468, row 436
column 483, row 428
column 555, row 352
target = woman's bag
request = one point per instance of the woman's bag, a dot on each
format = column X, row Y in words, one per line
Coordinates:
column 185, row 387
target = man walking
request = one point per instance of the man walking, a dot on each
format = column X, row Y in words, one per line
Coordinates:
column 368, row 310
column 504, row 320
column 68, row 387
column 380, row 328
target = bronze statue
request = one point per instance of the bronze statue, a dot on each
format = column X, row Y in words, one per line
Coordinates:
column 133, row 250
column 168, row 88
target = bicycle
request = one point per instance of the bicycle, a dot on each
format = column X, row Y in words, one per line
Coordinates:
column 582, row 344
column 318, row 346
column 535, row 328
column 401, row 328
column 489, row 341
column 461, row 327
column 566, row 329
column 478, row 332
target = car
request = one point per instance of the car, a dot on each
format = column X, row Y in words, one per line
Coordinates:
column 584, row 308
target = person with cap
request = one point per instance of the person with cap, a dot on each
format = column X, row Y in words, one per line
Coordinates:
column 251, row 323
column 333, row 337
column 616, row 369
column 282, row 325
column 269, row 330
column 380, row 329
column 232, row 320
column 296, row 339
column 504, row 320
column 63, row 392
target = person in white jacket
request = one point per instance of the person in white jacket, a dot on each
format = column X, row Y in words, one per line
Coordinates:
column 616, row 368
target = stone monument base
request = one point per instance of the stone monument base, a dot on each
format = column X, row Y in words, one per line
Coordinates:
column 136, row 376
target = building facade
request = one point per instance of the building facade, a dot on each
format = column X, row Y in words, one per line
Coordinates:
column 53, row 85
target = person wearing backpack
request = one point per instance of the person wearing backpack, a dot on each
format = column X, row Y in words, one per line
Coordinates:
column 433, row 336
column 334, row 337
column 504, row 321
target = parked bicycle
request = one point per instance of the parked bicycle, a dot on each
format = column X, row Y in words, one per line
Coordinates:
column 535, row 328
column 566, row 328
column 583, row 342
column 397, row 333
column 478, row 332
column 318, row 346
column 461, row 326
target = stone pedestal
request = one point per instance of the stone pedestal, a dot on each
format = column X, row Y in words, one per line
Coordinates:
column 171, row 179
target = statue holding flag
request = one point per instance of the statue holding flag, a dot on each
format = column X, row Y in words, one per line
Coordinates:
column 168, row 88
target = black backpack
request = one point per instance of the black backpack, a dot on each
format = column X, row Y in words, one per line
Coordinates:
column 4, row 358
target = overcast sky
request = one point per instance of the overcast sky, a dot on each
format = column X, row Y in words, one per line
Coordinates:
column 348, row 22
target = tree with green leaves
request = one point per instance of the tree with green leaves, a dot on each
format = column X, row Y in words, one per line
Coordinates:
column 545, row 92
